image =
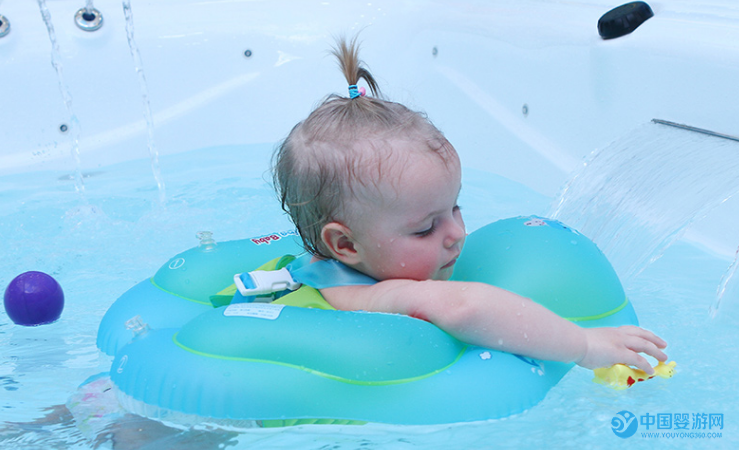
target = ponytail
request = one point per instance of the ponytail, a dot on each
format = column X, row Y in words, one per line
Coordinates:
column 347, row 54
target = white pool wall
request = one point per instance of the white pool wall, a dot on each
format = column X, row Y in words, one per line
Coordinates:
column 525, row 89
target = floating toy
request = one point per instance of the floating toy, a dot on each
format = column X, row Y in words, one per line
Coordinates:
column 34, row 298
column 621, row 376
column 278, row 364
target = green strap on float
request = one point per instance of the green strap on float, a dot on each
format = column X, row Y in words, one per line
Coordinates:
column 223, row 298
column 304, row 297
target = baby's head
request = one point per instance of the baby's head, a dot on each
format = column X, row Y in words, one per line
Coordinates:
column 344, row 171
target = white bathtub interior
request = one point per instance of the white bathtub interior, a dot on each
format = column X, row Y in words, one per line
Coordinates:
column 525, row 90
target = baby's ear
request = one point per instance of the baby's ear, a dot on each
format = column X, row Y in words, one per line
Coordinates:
column 338, row 240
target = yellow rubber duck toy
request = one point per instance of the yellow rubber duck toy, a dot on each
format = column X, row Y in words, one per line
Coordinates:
column 621, row 376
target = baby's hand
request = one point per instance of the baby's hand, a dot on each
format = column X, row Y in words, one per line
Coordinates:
column 609, row 346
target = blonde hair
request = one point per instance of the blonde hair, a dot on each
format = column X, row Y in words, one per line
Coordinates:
column 318, row 166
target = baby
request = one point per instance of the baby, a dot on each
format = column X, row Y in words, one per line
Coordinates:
column 374, row 185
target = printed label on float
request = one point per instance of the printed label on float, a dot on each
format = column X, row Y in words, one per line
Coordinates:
column 267, row 238
column 258, row 310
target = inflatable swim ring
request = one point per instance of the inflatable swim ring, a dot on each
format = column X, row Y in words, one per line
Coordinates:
column 284, row 365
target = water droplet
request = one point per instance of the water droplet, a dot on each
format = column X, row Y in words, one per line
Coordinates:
column 500, row 341
column 402, row 264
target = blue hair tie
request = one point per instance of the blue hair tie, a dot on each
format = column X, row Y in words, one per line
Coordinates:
column 355, row 92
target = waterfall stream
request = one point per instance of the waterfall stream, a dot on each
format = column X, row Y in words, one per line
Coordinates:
column 74, row 125
column 139, row 67
column 637, row 196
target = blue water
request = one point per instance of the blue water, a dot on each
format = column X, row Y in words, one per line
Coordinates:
column 99, row 247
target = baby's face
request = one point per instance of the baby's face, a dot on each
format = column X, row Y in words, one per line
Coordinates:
column 410, row 227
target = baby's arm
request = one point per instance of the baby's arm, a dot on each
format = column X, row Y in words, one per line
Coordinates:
column 491, row 317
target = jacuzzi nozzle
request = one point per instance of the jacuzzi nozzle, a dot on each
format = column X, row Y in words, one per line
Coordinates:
column 88, row 19
column 4, row 26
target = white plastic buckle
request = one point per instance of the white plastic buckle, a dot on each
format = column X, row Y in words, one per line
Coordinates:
column 266, row 282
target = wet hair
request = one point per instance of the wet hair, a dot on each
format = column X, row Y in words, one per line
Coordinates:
column 341, row 146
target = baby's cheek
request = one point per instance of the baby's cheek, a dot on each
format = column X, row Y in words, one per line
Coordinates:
column 427, row 271
column 391, row 269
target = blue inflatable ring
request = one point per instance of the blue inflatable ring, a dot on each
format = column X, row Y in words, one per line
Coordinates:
column 283, row 365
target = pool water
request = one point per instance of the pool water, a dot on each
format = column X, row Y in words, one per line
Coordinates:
column 101, row 242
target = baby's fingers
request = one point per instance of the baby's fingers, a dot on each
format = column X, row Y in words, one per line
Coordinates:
column 645, row 334
column 640, row 345
column 640, row 362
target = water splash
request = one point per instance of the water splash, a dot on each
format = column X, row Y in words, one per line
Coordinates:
column 139, row 66
column 638, row 195
column 74, row 124
column 723, row 285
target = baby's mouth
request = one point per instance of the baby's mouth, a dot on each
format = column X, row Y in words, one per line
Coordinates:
column 449, row 264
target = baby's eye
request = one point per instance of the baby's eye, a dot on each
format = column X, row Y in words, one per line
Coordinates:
column 427, row 232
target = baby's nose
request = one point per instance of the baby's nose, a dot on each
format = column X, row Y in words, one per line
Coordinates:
column 456, row 234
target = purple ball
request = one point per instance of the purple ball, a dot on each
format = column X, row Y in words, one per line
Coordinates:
column 34, row 298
